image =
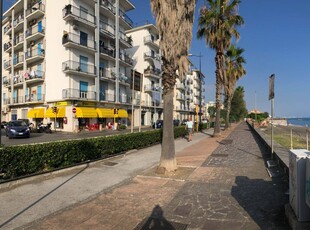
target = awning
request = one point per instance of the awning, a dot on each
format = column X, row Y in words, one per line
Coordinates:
column 36, row 113
column 85, row 112
column 122, row 113
column 61, row 112
column 105, row 113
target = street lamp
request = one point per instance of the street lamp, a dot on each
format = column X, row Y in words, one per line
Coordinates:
column 200, row 82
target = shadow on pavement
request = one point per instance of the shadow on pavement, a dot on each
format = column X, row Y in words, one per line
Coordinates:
column 263, row 200
column 43, row 197
column 157, row 221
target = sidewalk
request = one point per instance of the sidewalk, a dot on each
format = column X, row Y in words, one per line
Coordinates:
column 221, row 183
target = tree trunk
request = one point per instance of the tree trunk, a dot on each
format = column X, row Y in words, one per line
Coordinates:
column 167, row 160
column 219, row 85
column 227, row 123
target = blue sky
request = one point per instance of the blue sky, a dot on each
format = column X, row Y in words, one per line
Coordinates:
column 276, row 39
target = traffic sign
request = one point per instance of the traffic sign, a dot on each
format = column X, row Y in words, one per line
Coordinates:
column 73, row 110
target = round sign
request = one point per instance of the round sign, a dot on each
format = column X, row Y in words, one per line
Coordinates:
column 73, row 110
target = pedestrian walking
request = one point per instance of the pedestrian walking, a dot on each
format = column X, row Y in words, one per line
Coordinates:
column 189, row 127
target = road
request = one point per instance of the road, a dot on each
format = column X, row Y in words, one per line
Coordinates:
column 45, row 137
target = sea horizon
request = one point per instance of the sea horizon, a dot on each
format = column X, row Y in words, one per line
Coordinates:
column 301, row 121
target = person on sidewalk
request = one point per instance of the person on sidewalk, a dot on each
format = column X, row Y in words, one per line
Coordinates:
column 189, row 126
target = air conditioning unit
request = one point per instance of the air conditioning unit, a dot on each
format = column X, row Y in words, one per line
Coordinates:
column 75, row 27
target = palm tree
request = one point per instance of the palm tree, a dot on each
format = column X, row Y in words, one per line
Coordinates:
column 234, row 71
column 174, row 20
column 217, row 25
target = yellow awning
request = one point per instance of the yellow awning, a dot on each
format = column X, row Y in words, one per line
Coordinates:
column 85, row 112
column 61, row 112
column 122, row 113
column 36, row 113
column 105, row 113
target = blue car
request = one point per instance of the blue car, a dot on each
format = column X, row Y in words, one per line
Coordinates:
column 17, row 129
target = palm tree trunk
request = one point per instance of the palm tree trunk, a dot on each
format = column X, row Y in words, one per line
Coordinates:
column 167, row 159
column 219, row 86
column 227, row 123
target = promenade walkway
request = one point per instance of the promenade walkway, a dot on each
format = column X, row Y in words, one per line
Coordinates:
column 221, row 183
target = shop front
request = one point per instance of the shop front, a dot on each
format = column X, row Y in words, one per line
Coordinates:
column 57, row 115
column 37, row 116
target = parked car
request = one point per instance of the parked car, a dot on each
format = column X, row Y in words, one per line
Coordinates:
column 159, row 124
column 17, row 129
column 176, row 122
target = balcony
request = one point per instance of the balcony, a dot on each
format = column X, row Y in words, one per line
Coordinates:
column 35, row 98
column 107, row 8
column 107, row 29
column 123, row 99
column 107, row 74
column 18, row 61
column 180, row 97
column 107, row 53
column 35, row 33
column 18, row 23
column 35, row 54
column 6, row 101
column 123, row 79
column 152, row 73
column 18, row 100
column 7, row 47
column 150, row 41
column 7, row 64
column 151, row 88
column 6, row 81
column 17, row 80
column 125, row 59
column 34, row 76
column 8, row 28
column 74, row 67
column 18, row 42
column 197, row 86
column 35, row 11
column 72, row 13
column 76, row 41
column 180, row 86
column 151, row 56
column 125, row 21
column 107, row 97
column 71, row 93
column 125, row 40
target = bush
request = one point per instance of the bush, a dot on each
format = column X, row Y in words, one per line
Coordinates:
column 16, row 161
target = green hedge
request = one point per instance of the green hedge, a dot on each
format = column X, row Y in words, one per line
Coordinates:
column 16, row 161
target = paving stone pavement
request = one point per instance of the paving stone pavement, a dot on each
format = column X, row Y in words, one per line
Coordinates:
column 221, row 183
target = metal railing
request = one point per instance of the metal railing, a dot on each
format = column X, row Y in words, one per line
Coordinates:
column 107, row 50
column 79, row 67
column 151, row 55
column 34, row 29
column 34, row 97
column 125, row 38
column 124, row 57
column 125, row 17
column 79, row 13
column 151, row 39
column 7, row 64
column 18, row 19
column 74, row 38
column 18, row 59
column 108, row 5
column 34, row 8
column 34, row 52
column 107, row 28
column 18, row 39
column 78, row 94
column 34, row 74
column 7, row 28
column 156, row 72
column 7, row 46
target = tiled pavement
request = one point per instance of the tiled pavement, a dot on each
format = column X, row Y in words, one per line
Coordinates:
column 221, row 183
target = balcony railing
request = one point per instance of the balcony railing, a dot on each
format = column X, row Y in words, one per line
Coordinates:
column 105, row 27
column 17, row 79
column 123, row 99
column 152, row 88
column 150, row 39
column 18, row 59
column 35, row 29
column 7, row 64
column 34, row 8
column 79, row 13
column 34, row 74
column 156, row 72
column 7, row 28
column 34, row 98
column 35, row 52
column 108, row 5
column 105, row 73
column 18, row 19
column 7, row 46
column 71, row 93
column 79, row 67
column 18, row 39
column 6, row 81
column 107, row 50
column 107, row 97
column 77, row 39
column 124, row 57
column 125, row 38
column 151, row 55
column 125, row 18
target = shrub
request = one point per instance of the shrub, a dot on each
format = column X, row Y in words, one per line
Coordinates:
column 16, row 161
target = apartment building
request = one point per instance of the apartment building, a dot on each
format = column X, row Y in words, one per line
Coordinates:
column 189, row 95
column 146, row 58
column 65, row 61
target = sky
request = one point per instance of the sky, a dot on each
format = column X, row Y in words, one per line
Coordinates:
column 276, row 39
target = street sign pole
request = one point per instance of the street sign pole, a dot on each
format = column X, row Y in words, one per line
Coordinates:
column 271, row 97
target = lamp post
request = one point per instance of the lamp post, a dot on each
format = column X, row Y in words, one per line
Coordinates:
column 200, row 83
column 132, row 98
column 1, row 72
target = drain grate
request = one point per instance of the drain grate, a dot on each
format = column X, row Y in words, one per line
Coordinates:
column 109, row 163
column 159, row 224
column 226, row 142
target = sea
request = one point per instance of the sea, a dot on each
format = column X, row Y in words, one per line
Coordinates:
column 299, row 121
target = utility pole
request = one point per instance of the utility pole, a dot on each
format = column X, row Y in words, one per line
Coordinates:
column 132, row 98
column 1, row 3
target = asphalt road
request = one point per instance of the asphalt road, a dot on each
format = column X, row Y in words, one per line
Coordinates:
column 46, row 137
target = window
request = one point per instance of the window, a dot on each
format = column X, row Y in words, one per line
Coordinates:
column 83, row 38
column 83, row 63
column 39, row 94
column 83, row 89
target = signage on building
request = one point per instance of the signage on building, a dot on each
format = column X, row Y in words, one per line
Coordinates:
column 73, row 110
